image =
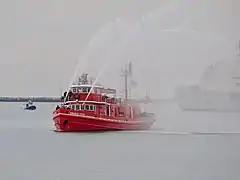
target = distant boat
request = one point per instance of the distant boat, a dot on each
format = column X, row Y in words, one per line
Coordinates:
column 218, row 90
column 30, row 106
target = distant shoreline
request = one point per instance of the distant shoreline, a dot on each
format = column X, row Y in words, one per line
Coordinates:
column 25, row 99
column 58, row 99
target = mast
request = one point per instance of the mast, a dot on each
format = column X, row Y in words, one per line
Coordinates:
column 126, row 83
column 130, row 75
column 127, row 72
column 238, row 48
column 60, row 95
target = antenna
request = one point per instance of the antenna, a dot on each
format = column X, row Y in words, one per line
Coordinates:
column 127, row 72
column 126, row 82
column 130, row 73
column 60, row 95
column 238, row 48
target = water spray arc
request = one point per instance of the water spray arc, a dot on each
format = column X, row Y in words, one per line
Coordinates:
column 103, row 32
column 147, row 20
column 151, row 18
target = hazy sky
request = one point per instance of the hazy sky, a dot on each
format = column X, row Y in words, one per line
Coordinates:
column 41, row 42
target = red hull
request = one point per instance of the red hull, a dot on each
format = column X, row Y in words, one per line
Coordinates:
column 70, row 122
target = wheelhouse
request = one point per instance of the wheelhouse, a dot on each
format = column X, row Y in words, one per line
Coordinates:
column 84, row 88
column 95, row 100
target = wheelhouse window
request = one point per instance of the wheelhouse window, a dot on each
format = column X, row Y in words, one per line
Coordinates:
column 77, row 107
column 73, row 107
column 81, row 107
column 88, row 89
column 74, row 90
column 87, row 107
column 85, row 89
column 92, row 108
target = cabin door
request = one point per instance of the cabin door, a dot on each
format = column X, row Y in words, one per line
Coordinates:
column 108, row 110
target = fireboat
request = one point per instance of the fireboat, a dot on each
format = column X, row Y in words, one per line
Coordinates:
column 87, row 106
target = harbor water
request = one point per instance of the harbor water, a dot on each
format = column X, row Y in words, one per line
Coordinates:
column 180, row 146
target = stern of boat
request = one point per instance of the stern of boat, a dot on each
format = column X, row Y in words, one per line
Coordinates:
column 149, row 119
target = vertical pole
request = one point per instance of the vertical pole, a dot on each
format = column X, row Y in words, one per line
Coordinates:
column 61, row 96
column 126, row 83
column 129, row 91
column 130, row 75
column 238, row 48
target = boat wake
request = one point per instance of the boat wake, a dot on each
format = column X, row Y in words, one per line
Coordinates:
column 174, row 133
column 182, row 133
